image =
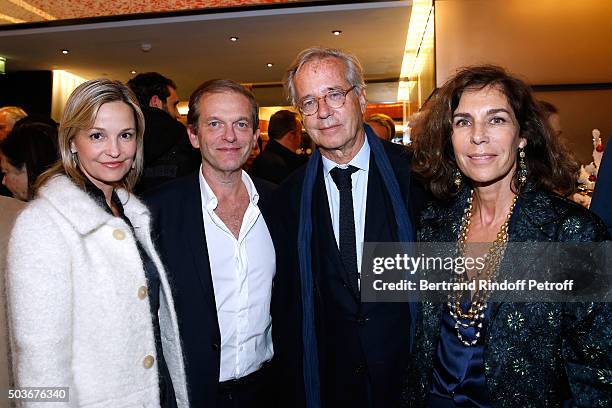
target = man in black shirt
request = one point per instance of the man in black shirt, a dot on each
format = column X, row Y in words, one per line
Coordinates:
column 167, row 151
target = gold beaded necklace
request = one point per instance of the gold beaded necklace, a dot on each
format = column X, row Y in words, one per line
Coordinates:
column 475, row 314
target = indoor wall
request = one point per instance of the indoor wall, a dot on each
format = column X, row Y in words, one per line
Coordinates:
column 564, row 45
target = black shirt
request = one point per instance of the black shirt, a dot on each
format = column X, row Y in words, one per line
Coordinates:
column 276, row 163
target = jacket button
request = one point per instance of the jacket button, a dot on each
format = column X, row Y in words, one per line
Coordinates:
column 360, row 369
column 148, row 362
column 215, row 346
column 118, row 234
column 142, row 292
column 361, row 320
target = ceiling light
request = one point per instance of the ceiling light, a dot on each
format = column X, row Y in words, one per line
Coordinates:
column 269, row 65
column 183, row 108
column 65, row 51
column 132, row 72
column 337, row 32
column 233, row 39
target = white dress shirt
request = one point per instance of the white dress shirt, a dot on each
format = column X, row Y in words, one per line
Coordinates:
column 242, row 271
column 359, row 181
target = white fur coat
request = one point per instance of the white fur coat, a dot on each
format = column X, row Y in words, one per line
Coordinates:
column 77, row 312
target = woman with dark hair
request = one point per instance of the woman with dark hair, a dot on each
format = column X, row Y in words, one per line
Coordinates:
column 27, row 152
column 487, row 154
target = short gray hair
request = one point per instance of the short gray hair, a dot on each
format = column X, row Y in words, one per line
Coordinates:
column 353, row 72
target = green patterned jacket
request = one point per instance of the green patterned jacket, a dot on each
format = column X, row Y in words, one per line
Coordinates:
column 536, row 354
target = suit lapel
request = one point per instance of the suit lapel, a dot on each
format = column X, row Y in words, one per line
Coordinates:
column 380, row 225
column 195, row 240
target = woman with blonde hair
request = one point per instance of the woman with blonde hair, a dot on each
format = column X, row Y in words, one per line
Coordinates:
column 90, row 307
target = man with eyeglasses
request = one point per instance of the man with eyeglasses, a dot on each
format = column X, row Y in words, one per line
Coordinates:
column 332, row 349
column 212, row 234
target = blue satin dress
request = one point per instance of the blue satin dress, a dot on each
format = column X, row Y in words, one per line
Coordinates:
column 458, row 375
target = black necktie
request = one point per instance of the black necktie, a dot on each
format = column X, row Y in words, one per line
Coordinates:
column 348, row 248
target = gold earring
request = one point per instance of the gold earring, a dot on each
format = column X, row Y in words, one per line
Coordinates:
column 522, row 171
column 457, row 179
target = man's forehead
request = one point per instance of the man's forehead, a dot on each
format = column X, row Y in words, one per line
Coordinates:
column 325, row 64
column 222, row 96
column 227, row 102
column 324, row 74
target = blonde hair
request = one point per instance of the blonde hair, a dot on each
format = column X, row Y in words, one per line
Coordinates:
column 80, row 114
column 13, row 113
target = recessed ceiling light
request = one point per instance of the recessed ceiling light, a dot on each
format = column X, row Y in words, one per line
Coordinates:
column 133, row 72
column 65, row 51
column 233, row 39
column 337, row 32
column 269, row 65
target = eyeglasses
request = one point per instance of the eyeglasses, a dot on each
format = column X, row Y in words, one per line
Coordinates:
column 334, row 99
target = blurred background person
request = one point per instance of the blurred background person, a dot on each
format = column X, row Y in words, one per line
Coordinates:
column 28, row 151
column 279, row 159
column 486, row 153
column 167, row 151
column 382, row 125
column 415, row 122
column 551, row 114
column 37, row 119
column 9, row 209
column 9, row 115
column 90, row 307
column 601, row 203
column 255, row 152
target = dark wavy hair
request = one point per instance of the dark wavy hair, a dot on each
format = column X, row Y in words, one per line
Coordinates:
column 550, row 165
column 32, row 146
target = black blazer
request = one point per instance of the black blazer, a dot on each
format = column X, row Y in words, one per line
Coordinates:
column 178, row 229
column 276, row 163
column 355, row 340
column 602, row 196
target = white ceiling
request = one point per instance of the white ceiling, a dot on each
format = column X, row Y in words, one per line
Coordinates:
column 192, row 49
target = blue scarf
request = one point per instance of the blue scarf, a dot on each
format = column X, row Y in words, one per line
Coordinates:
column 404, row 232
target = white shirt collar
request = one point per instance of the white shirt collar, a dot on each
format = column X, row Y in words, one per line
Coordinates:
column 361, row 159
column 209, row 199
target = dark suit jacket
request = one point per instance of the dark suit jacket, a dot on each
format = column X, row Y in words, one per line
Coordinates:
column 363, row 347
column 178, row 227
column 276, row 163
column 602, row 196
column 168, row 155
column 536, row 354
